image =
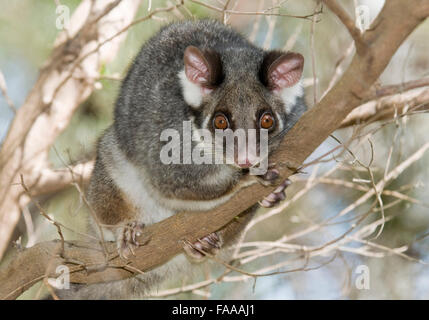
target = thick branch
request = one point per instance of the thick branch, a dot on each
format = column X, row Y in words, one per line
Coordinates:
column 396, row 21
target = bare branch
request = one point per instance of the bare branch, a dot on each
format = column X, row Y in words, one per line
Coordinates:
column 3, row 89
column 389, row 107
column 349, row 23
column 251, row 13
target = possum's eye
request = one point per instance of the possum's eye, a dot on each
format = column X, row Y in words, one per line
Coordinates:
column 220, row 121
column 267, row 121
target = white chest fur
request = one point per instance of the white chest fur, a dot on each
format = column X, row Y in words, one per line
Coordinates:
column 152, row 206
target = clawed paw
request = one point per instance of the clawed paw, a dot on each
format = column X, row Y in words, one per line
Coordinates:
column 209, row 244
column 271, row 178
column 276, row 196
column 127, row 238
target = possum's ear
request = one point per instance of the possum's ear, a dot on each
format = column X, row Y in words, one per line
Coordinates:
column 203, row 68
column 281, row 70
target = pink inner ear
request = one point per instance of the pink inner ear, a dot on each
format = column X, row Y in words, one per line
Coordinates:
column 286, row 71
column 196, row 67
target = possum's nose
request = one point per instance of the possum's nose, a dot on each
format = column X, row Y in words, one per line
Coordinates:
column 246, row 155
column 246, row 164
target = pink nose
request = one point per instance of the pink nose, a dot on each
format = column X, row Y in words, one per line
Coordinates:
column 247, row 164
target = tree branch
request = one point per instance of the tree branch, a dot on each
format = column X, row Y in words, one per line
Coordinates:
column 349, row 23
column 387, row 108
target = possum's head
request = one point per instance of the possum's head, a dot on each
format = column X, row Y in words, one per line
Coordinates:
column 243, row 88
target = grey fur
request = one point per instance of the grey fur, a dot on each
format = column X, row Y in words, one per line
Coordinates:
column 150, row 101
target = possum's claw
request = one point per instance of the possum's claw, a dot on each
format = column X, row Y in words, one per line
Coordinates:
column 209, row 244
column 127, row 238
column 271, row 178
column 276, row 196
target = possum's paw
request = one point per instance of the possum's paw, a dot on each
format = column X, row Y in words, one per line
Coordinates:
column 127, row 238
column 276, row 196
column 270, row 178
column 209, row 244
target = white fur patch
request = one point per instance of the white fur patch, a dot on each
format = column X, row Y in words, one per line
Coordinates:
column 191, row 92
column 290, row 95
column 135, row 184
column 130, row 180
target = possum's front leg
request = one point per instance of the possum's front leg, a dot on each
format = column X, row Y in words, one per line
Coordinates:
column 113, row 212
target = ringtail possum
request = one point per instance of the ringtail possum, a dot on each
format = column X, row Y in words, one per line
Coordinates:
column 208, row 74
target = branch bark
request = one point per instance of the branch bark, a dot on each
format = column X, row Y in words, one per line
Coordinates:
column 87, row 262
column 387, row 108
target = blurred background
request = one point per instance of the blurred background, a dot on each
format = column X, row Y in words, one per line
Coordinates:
column 27, row 34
